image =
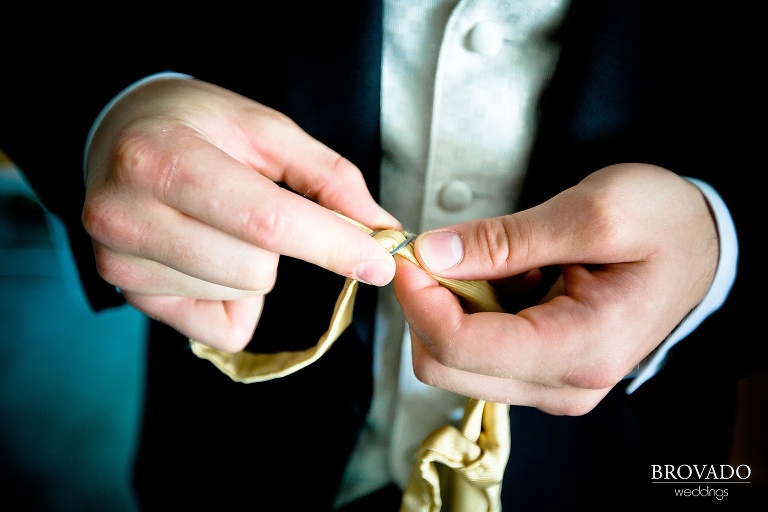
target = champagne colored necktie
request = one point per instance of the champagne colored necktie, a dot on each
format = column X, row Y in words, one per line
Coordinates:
column 458, row 470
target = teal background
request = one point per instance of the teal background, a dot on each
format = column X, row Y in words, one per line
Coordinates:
column 71, row 381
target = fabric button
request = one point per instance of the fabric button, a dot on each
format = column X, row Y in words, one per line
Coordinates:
column 487, row 38
column 455, row 195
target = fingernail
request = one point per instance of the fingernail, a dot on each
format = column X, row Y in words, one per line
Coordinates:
column 440, row 250
column 377, row 273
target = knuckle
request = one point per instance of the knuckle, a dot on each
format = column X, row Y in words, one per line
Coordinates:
column 496, row 240
column 604, row 221
column 567, row 402
column 107, row 222
column 260, row 278
column 103, row 218
column 440, row 349
column 576, row 407
column 346, row 177
column 421, row 372
column 135, row 157
column 265, row 225
column 94, row 217
column 147, row 160
column 598, row 375
column 271, row 116
column 269, row 122
column 345, row 170
column 426, row 373
column 425, row 367
column 112, row 268
column 443, row 355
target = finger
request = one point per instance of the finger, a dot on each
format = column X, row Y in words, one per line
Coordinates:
column 212, row 187
column 223, row 325
column 197, row 252
column 564, row 400
column 495, row 248
column 314, row 170
column 271, row 143
column 140, row 275
column 579, row 225
column 563, row 342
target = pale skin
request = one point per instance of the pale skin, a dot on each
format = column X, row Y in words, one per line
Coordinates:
column 638, row 249
column 188, row 221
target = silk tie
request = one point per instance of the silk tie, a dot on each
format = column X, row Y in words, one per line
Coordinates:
column 455, row 469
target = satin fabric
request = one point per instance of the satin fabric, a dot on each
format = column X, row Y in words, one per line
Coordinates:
column 460, row 470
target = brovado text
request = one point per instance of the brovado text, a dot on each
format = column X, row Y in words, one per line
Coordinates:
column 699, row 472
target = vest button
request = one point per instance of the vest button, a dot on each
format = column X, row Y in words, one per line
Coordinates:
column 455, row 195
column 487, row 38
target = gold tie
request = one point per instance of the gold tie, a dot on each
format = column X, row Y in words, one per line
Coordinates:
column 458, row 470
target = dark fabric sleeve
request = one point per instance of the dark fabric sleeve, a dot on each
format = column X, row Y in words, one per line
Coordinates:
column 296, row 60
column 671, row 85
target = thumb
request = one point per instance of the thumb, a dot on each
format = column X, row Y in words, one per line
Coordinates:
column 495, row 247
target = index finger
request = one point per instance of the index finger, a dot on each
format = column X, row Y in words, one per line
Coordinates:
column 211, row 186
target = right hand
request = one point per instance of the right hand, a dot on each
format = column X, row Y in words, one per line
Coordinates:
column 637, row 248
column 187, row 218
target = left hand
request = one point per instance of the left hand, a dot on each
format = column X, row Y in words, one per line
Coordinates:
column 637, row 248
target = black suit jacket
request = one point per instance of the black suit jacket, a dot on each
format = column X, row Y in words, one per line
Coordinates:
column 637, row 81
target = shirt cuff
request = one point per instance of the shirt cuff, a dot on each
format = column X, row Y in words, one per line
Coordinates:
column 718, row 291
column 105, row 110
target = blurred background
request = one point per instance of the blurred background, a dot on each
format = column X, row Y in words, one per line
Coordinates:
column 71, row 381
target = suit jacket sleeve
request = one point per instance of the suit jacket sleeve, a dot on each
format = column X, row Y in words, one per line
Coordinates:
column 671, row 85
column 298, row 61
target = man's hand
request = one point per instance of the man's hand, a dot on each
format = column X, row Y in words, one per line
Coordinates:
column 187, row 217
column 637, row 249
